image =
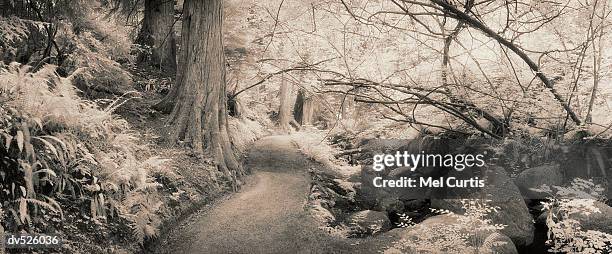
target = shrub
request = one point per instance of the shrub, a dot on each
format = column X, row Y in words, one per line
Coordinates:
column 565, row 234
column 59, row 150
column 467, row 235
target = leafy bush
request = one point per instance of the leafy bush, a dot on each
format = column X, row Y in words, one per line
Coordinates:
column 26, row 180
column 566, row 234
column 466, row 235
column 59, row 150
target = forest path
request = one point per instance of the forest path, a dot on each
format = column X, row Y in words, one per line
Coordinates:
column 268, row 215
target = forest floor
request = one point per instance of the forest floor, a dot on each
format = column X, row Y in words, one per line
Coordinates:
column 268, row 215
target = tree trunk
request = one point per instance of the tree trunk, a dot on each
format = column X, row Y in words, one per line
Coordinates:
column 199, row 117
column 157, row 32
column 167, row 103
column 309, row 111
column 303, row 111
column 597, row 61
column 596, row 66
column 298, row 106
column 347, row 107
column 234, row 106
column 446, row 58
column 284, row 110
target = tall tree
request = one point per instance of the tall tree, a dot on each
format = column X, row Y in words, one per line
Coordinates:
column 157, row 32
column 199, row 116
column 284, row 110
column 597, row 55
column 304, row 109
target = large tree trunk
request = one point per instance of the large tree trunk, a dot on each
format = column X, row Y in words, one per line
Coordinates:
column 199, row 117
column 309, row 111
column 304, row 109
column 157, row 32
column 167, row 103
column 284, row 110
column 298, row 107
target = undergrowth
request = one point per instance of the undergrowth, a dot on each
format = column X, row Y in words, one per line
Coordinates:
column 315, row 145
column 565, row 232
column 59, row 150
column 467, row 233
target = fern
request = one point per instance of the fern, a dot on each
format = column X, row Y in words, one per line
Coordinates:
column 52, row 136
column 142, row 207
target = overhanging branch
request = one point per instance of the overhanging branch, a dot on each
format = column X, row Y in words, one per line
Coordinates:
column 474, row 23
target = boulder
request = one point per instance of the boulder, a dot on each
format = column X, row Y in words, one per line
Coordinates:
column 400, row 172
column 368, row 222
column 381, row 199
column 367, row 195
column 600, row 219
column 449, row 233
column 354, row 177
column 536, row 177
column 504, row 194
column 390, row 205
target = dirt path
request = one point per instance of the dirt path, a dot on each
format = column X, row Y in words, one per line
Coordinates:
column 267, row 215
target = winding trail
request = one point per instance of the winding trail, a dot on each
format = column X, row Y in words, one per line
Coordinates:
column 268, row 215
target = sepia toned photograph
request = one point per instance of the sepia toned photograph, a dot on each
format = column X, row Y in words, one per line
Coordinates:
column 305, row 126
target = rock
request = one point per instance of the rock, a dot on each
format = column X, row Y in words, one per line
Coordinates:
column 400, row 171
column 502, row 193
column 541, row 219
column 549, row 175
column 371, row 196
column 391, row 205
column 368, row 195
column 415, row 204
column 600, row 221
column 354, row 177
column 381, row 199
column 449, row 233
column 369, row 222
